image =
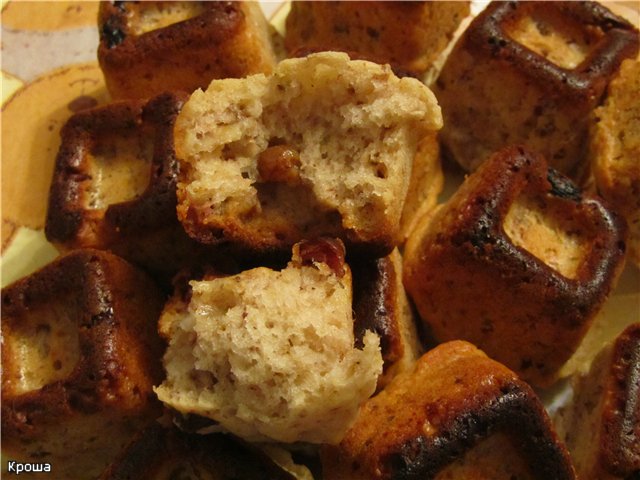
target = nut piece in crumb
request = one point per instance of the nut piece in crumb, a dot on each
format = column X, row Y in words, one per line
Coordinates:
column 325, row 146
column 518, row 262
column 270, row 355
column 279, row 163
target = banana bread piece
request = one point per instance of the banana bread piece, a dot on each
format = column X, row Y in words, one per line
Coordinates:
column 80, row 355
column 161, row 452
column 456, row 415
column 114, row 186
column 147, row 48
column 517, row 262
column 270, row 354
column 323, row 147
column 615, row 150
column 601, row 425
column 534, row 72
column 406, row 35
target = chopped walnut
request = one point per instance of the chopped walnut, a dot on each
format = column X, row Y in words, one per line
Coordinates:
column 279, row 163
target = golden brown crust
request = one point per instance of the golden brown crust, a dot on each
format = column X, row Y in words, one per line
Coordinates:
column 427, row 418
column 222, row 40
column 469, row 279
column 86, row 211
column 492, row 79
column 407, row 35
column 113, row 313
column 164, row 452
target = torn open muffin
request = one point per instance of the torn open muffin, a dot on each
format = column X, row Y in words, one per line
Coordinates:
column 324, row 146
column 269, row 354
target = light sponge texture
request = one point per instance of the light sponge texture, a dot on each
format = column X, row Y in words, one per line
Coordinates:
column 270, row 354
column 324, row 146
column 615, row 150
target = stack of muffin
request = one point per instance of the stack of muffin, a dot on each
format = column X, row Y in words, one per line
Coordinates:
column 261, row 277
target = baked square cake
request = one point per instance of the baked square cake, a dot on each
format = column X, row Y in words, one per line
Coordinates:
column 601, row 424
column 80, row 355
column 407, row 35
column 518, row 262
column 268, row 354
column 147, row 48
column 531, row 73
column 456, row 414
column 323, row 147
column 114, row 186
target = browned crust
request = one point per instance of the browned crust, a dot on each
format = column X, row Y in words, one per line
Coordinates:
column 544, row 104
column 68, row 213
column 515, row 412
column 254, row 242
column 144, row 230
column 620, row 429
column 120, row 48
column 220, row 42
column 463, row 262
column 158, row 450
column 118, row 304
column 408, row 35
column 375, row 306
column 428, row 418
column 588, row 81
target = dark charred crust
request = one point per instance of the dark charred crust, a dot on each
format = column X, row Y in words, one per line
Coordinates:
column 621, row 424
column 164, row 450
column 112, row 33
column 325, row 250
column 99, row 285
column 516, row 412
column 157, row 204
column 218, row 22
column 67, row 204
column 587, row 81
column 562, row 187
column 375, row 297
column 518, row 171
column 145, row 230
column 468, row 258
